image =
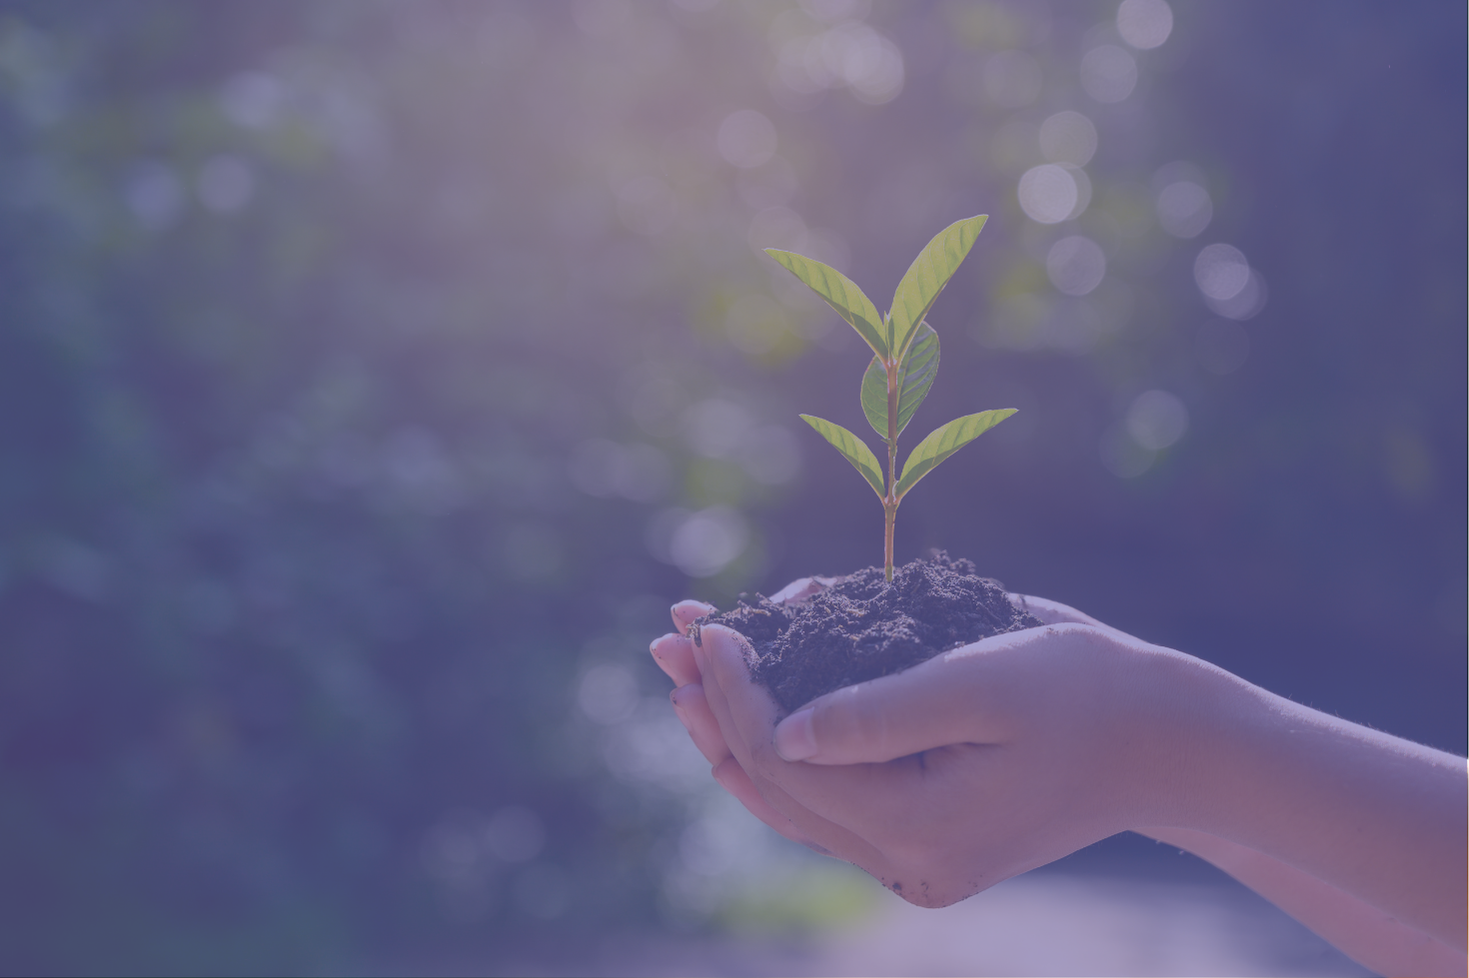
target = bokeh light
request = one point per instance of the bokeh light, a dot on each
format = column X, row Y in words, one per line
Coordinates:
column 1068, row 137
column 1108, row 73
column 1144, row 24
column 703, row 543
column 1076, row 265
column 1050, row 194
column 1244, row 304
column 1231, row 288
column 850, row 54
column 1156, row 420
column 1184, row 209
column 1221, row 272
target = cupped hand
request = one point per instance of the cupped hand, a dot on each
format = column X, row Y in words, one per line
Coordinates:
column 961, row 772
column 1010, row 752
column 944, row 779
column 675, row 656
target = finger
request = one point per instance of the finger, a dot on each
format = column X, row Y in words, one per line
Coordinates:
column 747, row 717
column 722, row 643
column 692, row 708
column 732, row 778
column 691, row 704
column 801, row 589
column 821, row 801
column 685, row 613
column 820, row 833
column 675, row 656
column 959, row 697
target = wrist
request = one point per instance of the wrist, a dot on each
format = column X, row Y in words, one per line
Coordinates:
column 1364, row 812
column 1192, row 719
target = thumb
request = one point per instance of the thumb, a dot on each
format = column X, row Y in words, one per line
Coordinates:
column 952, row 698
column 981, row 693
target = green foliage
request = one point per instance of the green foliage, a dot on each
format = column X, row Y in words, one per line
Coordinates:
column 915, row 377
column 904, row 363
column 852, row 449
column 842, row 294
column 927, row 276
column 943, row 442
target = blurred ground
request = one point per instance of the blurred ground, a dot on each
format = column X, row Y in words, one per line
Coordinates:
column 1043, row 923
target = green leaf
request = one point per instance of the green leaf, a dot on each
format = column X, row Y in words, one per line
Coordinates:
column 915, row 377
column 945, row 441
column 852, row 448
column 928, row 275
column 841, row 293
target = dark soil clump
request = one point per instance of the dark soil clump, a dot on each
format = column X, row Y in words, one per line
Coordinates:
column 861, row 627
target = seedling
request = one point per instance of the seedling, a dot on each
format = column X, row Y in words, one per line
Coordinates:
column 905, row 359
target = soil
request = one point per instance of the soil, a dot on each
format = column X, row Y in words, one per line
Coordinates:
column 861, row 627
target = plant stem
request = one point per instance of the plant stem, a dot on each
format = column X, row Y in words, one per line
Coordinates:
column 890, row 503
column 890, row 516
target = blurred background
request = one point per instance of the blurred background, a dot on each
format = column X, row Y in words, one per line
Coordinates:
column 374, row 375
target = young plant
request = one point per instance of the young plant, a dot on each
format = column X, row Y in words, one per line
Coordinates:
column 905, row 359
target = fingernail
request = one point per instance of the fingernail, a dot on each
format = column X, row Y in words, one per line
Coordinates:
column 795, row 738
column 720, row 772
column 678, row 711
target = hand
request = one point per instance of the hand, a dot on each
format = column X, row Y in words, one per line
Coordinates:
column 1019, row 768
column 966, row 770
column 1010, row 752
column 674, row 654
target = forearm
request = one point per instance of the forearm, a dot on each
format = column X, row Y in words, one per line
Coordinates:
column 1368, row 935
column 1378, row 818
